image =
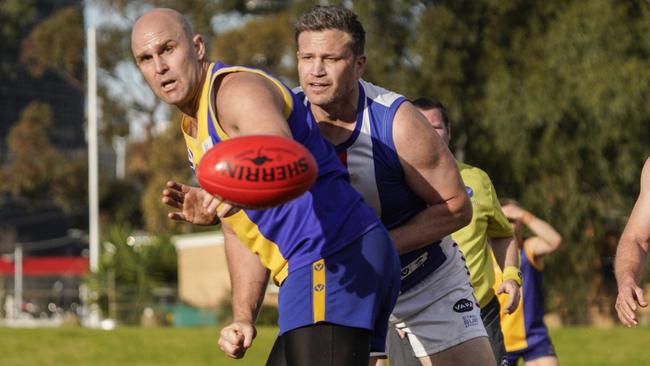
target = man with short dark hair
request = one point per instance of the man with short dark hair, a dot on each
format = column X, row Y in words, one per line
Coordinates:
column 407, row 174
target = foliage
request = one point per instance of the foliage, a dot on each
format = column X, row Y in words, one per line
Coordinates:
column 131, row 266
column 56, row 44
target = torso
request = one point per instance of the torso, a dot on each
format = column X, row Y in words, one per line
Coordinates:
column 298, row 233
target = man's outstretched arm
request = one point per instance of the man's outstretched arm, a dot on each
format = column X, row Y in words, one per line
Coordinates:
column 631, row 255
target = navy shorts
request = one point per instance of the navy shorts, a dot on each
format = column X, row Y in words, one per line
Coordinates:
column 355, row 287
column 541, row 349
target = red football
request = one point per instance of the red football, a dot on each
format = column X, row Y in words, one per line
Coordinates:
column 257, row 171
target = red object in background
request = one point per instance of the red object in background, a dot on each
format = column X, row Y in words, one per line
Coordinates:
column 47, row 266
column 257, row 171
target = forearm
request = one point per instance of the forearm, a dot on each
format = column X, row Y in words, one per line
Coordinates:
column 505, row 251
column 432, row 223
column 542, row 229
column 630, row 258
column 248, row 279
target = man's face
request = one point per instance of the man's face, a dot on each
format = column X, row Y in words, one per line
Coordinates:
column 327, row 67
column 435, row 118
column 168, row 60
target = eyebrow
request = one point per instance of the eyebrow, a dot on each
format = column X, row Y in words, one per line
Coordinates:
column 157, row 48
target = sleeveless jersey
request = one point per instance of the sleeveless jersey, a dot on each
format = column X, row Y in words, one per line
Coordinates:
column 375, row 170
column 319, row 223
column 525, row 327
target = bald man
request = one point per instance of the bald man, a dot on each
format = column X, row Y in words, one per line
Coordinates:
column 336, row 265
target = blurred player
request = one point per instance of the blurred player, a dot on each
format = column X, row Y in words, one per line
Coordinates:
column 338, row 268
column 631, row 255
column 524, row 330
column 489, row 226
column 407, row 174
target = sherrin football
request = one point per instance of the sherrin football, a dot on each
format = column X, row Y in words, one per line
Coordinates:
column 257, row 171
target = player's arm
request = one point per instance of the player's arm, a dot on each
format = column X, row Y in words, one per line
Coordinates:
column 507, row 256
column 431, row 172
column 248, row 281
column 546, row 239
column 631, row 254
column 248, row 104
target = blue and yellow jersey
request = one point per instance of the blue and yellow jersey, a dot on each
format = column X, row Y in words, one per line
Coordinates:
column 319, row 223
column 525, row 327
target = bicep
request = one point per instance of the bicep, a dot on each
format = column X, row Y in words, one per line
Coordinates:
column 429, row 167
column 250, row 104
column 637, row 228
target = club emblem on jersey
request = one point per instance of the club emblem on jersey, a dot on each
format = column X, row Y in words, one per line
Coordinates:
column 470, row 191
column 463, row 306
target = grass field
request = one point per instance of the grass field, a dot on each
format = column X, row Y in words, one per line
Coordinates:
column 197, row 346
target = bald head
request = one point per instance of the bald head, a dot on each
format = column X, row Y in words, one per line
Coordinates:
column 170, row 56
column 162, row 18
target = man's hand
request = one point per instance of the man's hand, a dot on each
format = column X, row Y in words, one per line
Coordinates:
column 195, row 205
column 236, row 339
column 629, row 296
column 511, row 288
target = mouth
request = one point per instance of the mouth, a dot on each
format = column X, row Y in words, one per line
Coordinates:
column 168, row 85
column 318, row 86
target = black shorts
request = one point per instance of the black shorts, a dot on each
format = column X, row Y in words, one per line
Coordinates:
column 322, row 344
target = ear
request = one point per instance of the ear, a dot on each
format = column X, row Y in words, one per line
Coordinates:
column 199, row 47
column 360, row 64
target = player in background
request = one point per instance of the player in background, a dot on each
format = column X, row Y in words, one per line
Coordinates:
column 337, row 290
column 489, row 229
column 631, row 255
column 407, row 174
column 524, row 331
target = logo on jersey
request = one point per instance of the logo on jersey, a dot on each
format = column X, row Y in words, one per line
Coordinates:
column 207, row 144
column 463, row 306
column 470, row 191
column 417, row 263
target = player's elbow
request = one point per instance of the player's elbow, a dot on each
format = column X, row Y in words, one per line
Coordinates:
column 555, row 241
column 463, row 212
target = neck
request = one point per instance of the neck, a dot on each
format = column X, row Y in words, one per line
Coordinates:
column 191, row 108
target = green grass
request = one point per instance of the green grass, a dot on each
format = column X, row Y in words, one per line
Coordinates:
column 198, row 346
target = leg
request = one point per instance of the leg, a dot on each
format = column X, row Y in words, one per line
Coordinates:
column 475, row 352
column 543, row 361
column 327, row 344
column 399, row 349
column 277, row 355
column 492, row 323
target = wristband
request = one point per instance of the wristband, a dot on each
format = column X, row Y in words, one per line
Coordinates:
column 512, row 273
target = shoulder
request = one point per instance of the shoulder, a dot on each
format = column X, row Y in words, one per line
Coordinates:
column 381, row 96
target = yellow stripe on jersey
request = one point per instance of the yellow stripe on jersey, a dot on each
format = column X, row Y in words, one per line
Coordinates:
column 247, row 231
column 513, row 325
column 319, row 286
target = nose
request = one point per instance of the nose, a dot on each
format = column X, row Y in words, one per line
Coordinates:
column 160, row 64
column 318, row 67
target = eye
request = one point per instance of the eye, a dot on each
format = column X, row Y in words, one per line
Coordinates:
column 168, row 49
column 306, row 57
column 144, row 59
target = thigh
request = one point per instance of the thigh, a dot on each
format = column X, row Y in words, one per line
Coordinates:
column 327, row 345
column 543, row 361
column 277, row 356
column 475, row 352
column 399, row 349
column 492, row 323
